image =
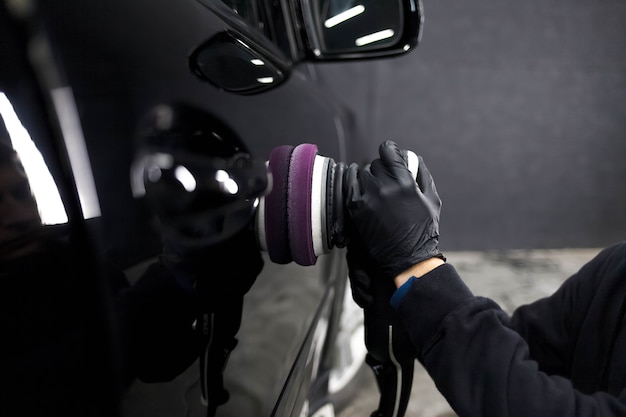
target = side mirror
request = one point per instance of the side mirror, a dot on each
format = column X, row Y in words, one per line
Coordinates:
column 257, row 50
column 357, row 29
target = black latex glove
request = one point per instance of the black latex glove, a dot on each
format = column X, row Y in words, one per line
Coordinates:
column 395, row 216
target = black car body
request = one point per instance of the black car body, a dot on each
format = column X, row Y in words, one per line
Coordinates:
column 89, row 72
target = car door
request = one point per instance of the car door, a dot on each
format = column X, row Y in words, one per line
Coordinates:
column 100, row 68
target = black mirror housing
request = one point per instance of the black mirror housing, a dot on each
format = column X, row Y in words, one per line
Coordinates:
column 366, row 29
column 244, row 60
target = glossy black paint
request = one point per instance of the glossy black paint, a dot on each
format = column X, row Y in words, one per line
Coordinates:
column 118, row 60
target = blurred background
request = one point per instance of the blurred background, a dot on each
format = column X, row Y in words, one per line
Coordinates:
column 519, row 109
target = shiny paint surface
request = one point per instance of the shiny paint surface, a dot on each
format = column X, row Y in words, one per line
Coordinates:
column 282, row 361
column 121, row 60
column 118, row 60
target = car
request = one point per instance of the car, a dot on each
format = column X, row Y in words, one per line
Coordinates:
column 78, row 81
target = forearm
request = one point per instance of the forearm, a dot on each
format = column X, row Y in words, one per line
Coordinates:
column 418, row 270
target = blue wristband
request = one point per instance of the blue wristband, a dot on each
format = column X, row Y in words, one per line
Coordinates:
column 397, row 296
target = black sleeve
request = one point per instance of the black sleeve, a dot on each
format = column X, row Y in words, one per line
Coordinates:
column 572, row 332
column 479, row 363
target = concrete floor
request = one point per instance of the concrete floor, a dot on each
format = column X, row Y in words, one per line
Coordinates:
column 511, row 278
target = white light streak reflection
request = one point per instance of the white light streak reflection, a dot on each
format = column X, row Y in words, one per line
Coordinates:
column 185, row 177
column 343, row 16
column 374, row 37
column 69, row 121
column 42, row 185
column 227, row 183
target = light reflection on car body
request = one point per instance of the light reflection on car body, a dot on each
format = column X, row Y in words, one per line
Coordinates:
column 114, row 61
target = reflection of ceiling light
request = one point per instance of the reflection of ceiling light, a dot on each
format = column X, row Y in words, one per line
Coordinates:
column 374, row 37
column 265, row 80
column 69, row 121
column 42, row 183
column 242, row 43
column 227, row 184
column 343, row 16
column 185, row 177
column 257, row 62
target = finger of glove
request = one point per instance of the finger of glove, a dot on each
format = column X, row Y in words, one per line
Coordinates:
column 391, row 154
column 430, row 196
column 357, row 209
column 352, row 187
column 362, row 191
column 426, row 182
column 395, row 179
column 395, row 161
column 396, row 164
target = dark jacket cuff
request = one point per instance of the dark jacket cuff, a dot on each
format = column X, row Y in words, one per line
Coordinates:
column 429, row 299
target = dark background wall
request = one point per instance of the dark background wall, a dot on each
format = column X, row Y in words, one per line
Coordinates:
column 519, row 109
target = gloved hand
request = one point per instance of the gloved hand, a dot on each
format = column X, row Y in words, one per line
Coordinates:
column 395, row 216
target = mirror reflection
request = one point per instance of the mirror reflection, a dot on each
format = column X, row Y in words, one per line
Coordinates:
column 231, row 63
column 358, row 25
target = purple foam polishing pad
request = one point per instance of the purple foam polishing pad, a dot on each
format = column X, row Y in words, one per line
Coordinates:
column 299, row 189
column 277, row 237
